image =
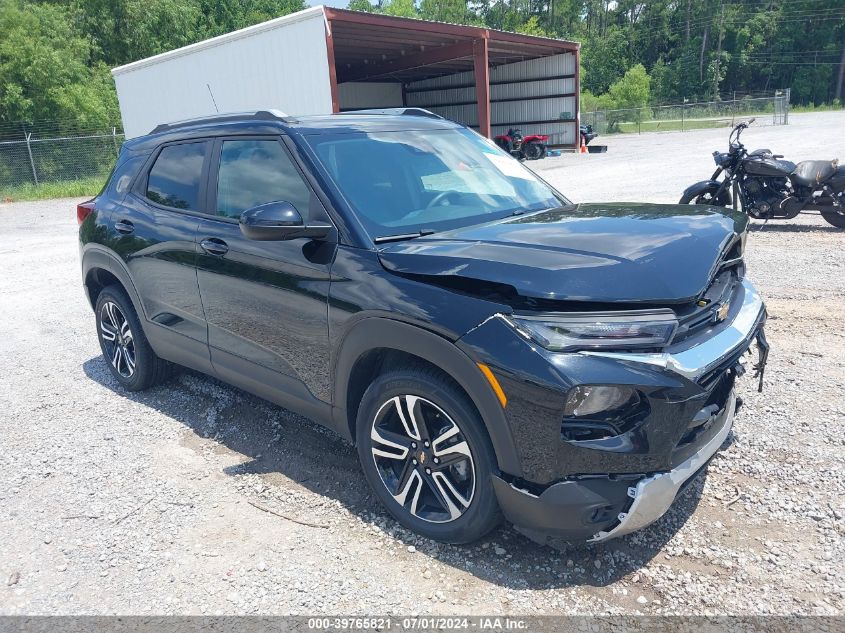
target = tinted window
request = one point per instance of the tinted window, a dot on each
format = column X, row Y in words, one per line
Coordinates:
column 257, row 172
column 124, row 173
column 175, row 177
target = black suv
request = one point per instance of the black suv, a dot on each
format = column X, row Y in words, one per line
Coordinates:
column 491, row 348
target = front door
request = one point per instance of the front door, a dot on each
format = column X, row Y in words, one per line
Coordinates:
column 266, row 303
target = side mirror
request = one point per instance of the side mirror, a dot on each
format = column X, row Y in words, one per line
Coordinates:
column 276, row 221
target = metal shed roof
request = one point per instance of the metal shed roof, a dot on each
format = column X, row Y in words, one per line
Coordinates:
column 370, row 46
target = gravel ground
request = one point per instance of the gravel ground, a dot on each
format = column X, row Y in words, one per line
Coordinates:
column 113, row 502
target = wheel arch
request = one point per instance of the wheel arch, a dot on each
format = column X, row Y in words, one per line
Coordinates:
column 101, row 269
column 375, row 342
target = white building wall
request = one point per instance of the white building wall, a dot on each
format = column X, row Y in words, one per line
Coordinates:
column 453, row 96
column 281, row 64
column 356, row 95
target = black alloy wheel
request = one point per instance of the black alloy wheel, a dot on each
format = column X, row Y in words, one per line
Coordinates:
column 118, row 340
column 426, row 455
column 423, row 458
column 128, row 354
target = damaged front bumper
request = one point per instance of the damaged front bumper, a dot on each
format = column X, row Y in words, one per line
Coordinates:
column 600, row 500
column 653, row 495
column 571, row 509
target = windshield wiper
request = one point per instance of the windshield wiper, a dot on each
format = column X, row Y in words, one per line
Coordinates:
column 403, row 236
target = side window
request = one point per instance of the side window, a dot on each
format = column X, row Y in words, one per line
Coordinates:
column 175, row 177
column 256, row 172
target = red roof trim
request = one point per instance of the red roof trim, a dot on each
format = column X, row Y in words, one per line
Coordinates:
column 442, row 28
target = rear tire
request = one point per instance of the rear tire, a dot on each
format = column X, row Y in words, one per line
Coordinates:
column 426, row 455
column 128, row 354
column 834, row 218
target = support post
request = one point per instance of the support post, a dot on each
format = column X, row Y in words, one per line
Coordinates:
column 114, row 141
column 335, row 95
column 577, row 91
column 28, row 135
column 482, row 83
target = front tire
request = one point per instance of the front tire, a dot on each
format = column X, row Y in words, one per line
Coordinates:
column 426, row 455
column 534, row 151
column 128, row 354
column 705, row 198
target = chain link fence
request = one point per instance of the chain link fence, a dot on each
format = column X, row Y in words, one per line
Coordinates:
column 768, row 110
column 52, row 152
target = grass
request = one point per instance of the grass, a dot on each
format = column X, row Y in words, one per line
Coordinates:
column 673, row 125
column 822, row 107
column 58, row 189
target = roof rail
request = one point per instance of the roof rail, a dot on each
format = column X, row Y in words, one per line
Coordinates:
column 405, row 111
column 260, row 115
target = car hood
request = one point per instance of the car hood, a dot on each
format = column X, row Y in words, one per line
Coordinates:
column 603, row 253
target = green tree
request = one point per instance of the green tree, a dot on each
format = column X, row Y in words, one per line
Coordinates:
column 400, row 8
column 452, row 11
column 44, row 71
column 532, row 27
column 633, row 90
column 361, row 5
column 605, row 59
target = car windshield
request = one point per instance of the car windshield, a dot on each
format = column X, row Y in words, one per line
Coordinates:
column 412, row 181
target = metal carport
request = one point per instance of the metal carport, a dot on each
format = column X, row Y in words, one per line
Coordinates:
column 323, row 60
column 406, row 61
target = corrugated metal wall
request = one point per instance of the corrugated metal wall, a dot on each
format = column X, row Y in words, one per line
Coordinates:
column 369, row 94
column 536, row 105
column 279, row 64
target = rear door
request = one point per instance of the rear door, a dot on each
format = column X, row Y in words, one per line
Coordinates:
column 154, row 232
column 265, row 302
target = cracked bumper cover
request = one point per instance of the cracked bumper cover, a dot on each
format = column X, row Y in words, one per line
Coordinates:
column 655, row 494
column 569, row 509
column 596, row 508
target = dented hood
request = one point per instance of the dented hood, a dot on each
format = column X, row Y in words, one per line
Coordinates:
column 607, row 253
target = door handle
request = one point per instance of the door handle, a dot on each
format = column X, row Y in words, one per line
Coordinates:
column 124, row 226
column 214, row 246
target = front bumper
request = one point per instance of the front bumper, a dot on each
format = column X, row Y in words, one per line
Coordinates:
column 653, row 495
column 599, row 489
column 571, row 509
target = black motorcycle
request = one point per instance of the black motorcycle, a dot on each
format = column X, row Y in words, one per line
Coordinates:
column 767, row 187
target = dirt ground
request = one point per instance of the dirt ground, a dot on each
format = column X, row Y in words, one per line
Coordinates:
column 157, row 503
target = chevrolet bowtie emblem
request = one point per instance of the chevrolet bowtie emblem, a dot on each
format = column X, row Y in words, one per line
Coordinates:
column 422, row 458
column 722, row 312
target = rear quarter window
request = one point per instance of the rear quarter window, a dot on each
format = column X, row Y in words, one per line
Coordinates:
column 124, row 173
column 175, row 177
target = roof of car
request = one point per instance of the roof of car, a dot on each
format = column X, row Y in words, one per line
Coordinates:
column 265, row 123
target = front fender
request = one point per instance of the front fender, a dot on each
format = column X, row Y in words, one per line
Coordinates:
column 703, row 187
column 376, row 332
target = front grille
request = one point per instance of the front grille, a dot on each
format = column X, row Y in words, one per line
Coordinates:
column 703, row 314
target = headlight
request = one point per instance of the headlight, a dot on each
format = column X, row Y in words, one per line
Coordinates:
column 722, row 159
column 599, row 330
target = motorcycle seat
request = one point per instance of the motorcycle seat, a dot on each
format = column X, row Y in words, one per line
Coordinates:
column 810, row 173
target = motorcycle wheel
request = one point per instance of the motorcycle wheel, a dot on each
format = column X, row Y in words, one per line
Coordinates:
column 834, row 218
column 705, row 198
column 534, row 151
